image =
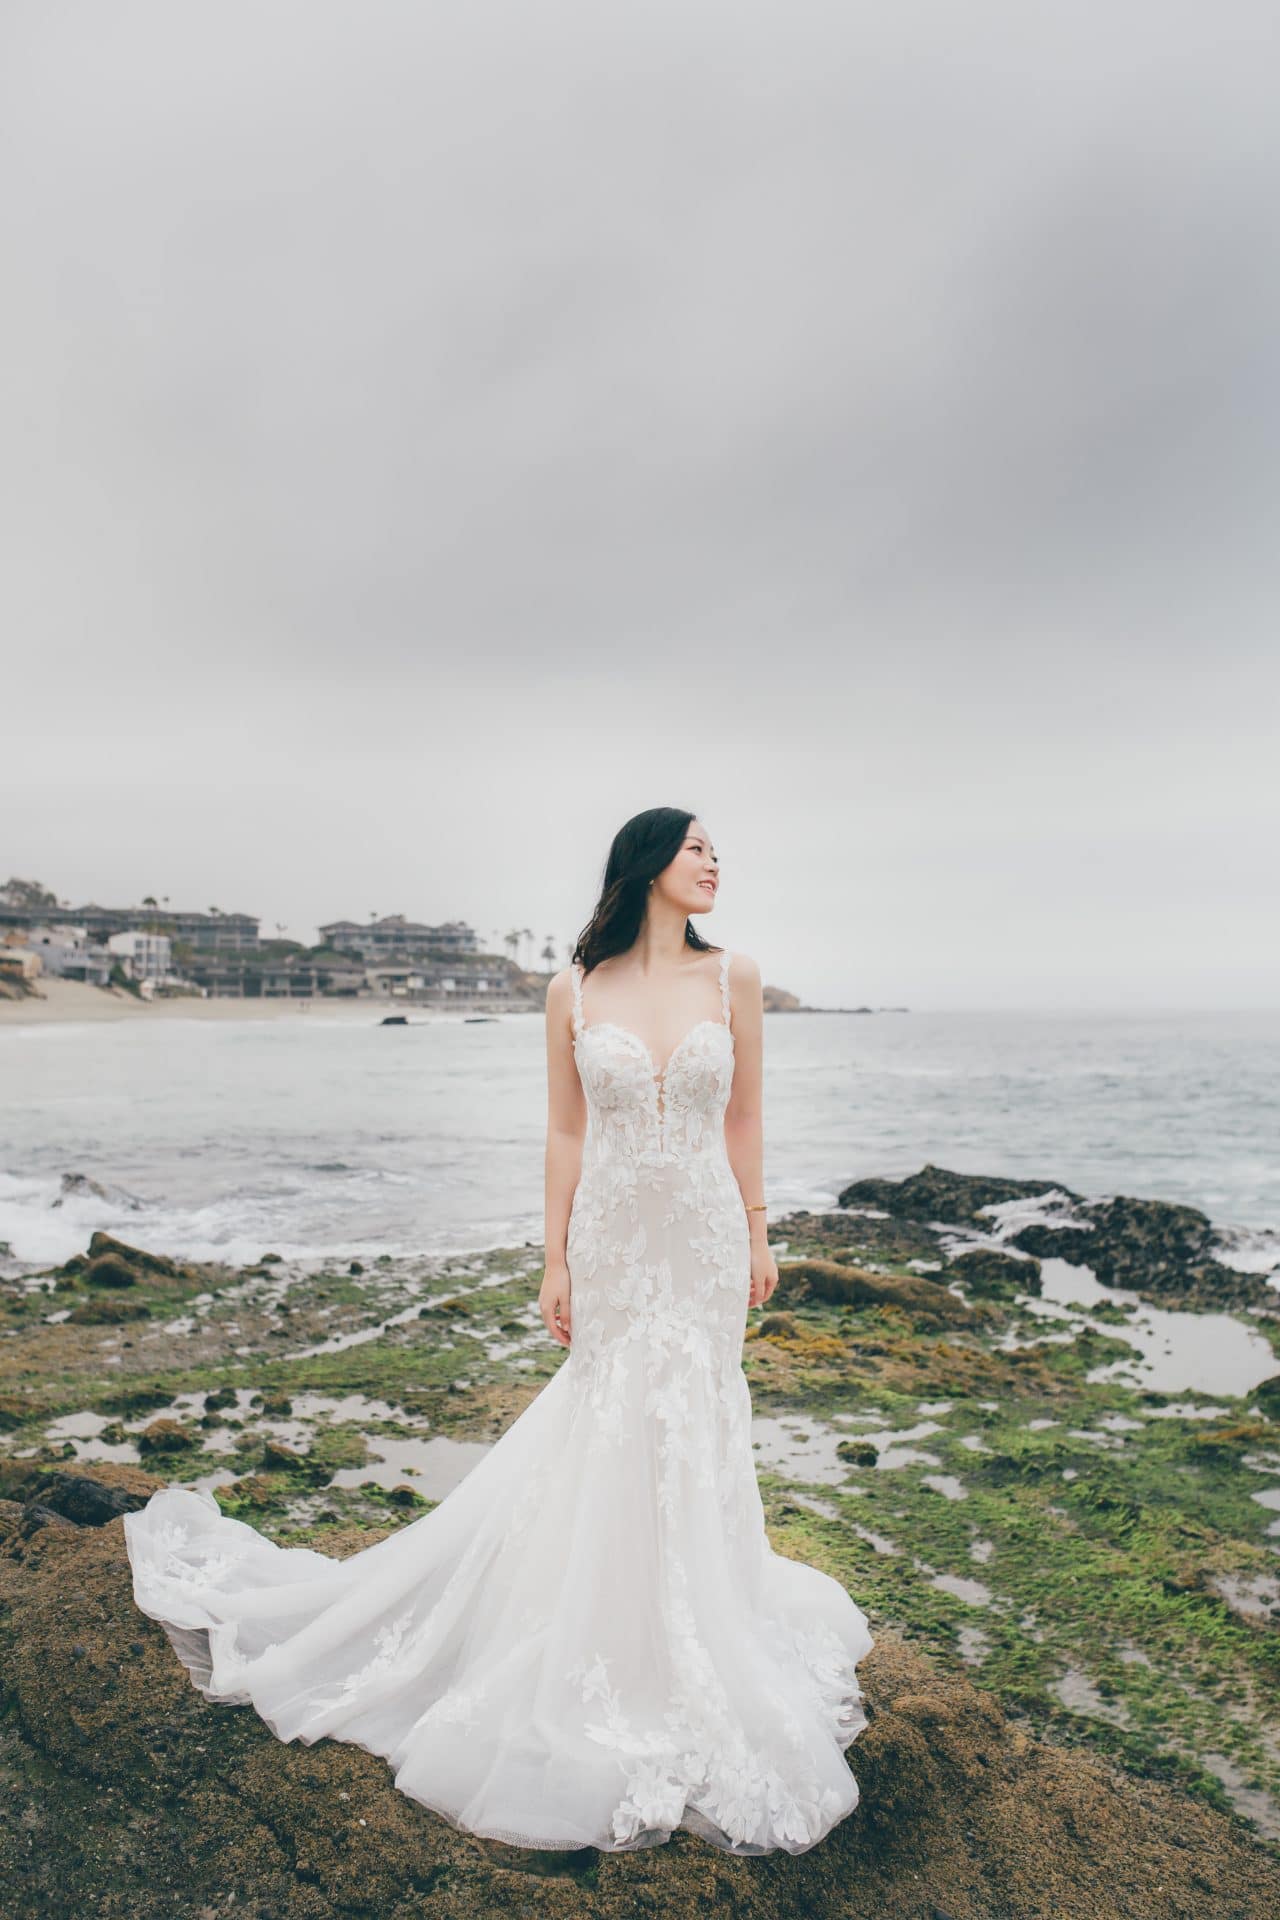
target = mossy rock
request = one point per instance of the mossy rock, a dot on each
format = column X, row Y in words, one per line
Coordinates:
column 838, row 1285
column 107, row 1310
column 16, row 1411
column 251, row 1490
column 139, row 1398
column 1268, row 1396
column 102, row 1244
column 991, row 1274
column 165, row 1436
column 405, row 1496
column 110, row 1270
column 775, row 1324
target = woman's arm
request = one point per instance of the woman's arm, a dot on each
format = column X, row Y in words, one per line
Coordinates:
column 566, row 1130
column 744, row 1116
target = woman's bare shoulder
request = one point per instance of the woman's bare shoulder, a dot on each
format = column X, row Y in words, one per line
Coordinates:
column 743, row 970
column 560, row 991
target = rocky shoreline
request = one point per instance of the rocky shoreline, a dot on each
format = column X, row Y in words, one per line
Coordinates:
column 1067, row 1547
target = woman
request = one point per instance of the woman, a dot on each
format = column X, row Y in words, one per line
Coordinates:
column 589, row 1641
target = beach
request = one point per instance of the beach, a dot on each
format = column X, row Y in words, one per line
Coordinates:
column 59, row 1002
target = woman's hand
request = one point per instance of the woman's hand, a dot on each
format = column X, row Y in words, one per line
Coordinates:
column 553, row 1303
column 764, row 1273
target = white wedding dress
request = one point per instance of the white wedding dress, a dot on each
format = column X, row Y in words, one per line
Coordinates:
column 589, row 1642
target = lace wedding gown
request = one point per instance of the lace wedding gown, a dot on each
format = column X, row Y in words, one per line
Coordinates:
column 589, row 1641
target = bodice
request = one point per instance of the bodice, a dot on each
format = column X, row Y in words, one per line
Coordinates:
column 636, row 1113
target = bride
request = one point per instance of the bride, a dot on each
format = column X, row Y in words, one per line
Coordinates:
column 589, row 1642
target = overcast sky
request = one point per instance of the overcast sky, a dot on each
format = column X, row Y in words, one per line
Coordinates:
column 431, row 433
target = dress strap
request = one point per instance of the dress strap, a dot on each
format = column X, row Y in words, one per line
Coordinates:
column 575, row 974
column 725, row 958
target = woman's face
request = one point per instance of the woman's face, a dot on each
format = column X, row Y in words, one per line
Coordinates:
column 691, row 880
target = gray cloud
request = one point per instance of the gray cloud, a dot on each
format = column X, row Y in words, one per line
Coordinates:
column 429, row 435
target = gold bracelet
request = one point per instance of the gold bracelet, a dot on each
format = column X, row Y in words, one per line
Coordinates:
column 762, row 1208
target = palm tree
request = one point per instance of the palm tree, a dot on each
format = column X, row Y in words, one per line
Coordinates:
column 511, row 942
column 548, row 954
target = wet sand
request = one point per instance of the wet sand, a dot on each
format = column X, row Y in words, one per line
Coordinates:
column 68, row 1001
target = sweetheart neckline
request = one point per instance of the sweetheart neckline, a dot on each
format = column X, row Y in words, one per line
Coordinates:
column 590, row 1026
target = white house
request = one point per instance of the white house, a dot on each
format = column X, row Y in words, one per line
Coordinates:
column 144, row 956
column 66, row 951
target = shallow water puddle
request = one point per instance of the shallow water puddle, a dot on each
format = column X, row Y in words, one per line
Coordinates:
column 1175, row 1352
column 1256, row 1598
column 82, row 1431
column 1250, row 1801
column 1079, row 1694
column 432, row 1467
column 799, row 1447
column 946, row 1484
column 972, row 1592
column 974, row 1646
column 1269, row 1497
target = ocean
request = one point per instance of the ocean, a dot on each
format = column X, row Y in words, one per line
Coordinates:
column 331, row 1136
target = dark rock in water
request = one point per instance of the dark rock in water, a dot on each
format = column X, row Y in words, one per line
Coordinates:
column 990, row 1274
column 859, row 1453
column 937, row 1194
column 394, row 1020
column 1065, row 1242
column 1149, row 1246
column 774, row 1324
column 277, row 1457
column 152, row 1803
column 137, row 1257
column 79, row 1185
column 1145, row 1243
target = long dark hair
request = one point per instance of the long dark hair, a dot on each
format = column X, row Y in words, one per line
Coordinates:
column 641, row 849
